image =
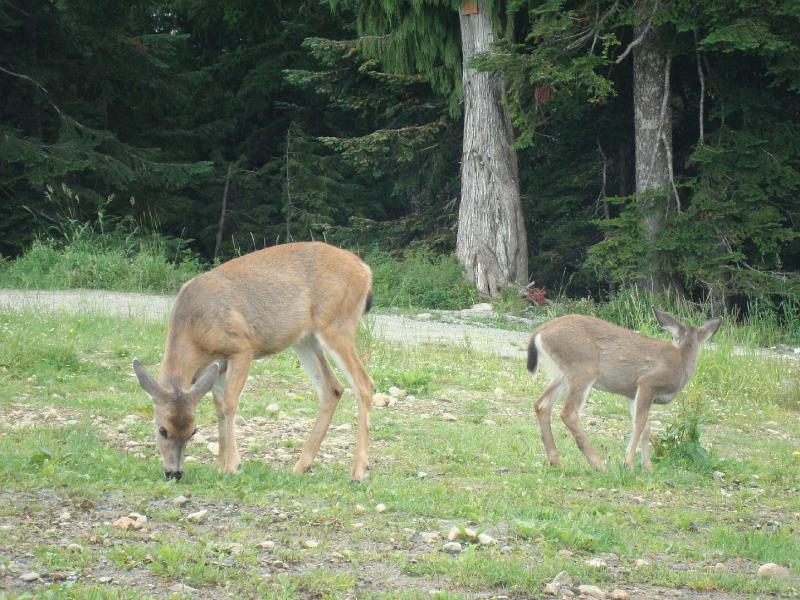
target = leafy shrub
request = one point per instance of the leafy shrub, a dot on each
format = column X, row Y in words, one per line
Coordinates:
column 420, row 279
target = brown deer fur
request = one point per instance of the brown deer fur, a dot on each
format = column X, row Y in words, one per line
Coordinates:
column 580, row 352
column 309, row 296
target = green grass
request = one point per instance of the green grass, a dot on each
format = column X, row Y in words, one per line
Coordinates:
column 67, row 385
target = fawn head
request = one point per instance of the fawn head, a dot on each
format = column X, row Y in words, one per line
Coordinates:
column 174, row 412
column 686, row 336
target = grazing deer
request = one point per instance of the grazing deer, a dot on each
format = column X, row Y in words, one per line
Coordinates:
column 310, row 296
column 580, row 352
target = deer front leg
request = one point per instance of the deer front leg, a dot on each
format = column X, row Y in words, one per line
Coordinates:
column 640, row 411
column 238, row 367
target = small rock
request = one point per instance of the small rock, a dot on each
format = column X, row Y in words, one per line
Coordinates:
column 197, row 517
column 563, row 579
column 429, row 537
column 382, row 400
column 618, row 594
column 343, row 427
column 411, row 398
column 489, row 422
column 138, row 517
column 240, row 420
column 74, row 547
column 457, row 533
column 213, row 447
column 30, row 576
column 65, row 516
column 718, row 568
column 267, row 545
column 506, row 550
column 485, row 539
column 596, row 562
column 592, row 591
column 380, row 508
column 773, row 571
column 565, row 552
column 359, row 509
column 180, row 500
column 452, row 547
column 499, row 393
column 105, row 579
column 181, row 588
column 552, row 589
column 718, row 475
column 449, row 417
column 397, row 392
column 126, row 523
column 273, row 408
column 422, row 474
column 640, row 562
column 358, row 525
column 425, row 316
column 310, row 544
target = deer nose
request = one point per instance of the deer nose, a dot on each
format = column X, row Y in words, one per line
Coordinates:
column 176, row 475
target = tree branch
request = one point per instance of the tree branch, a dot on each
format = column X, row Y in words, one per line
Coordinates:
column 44, row 92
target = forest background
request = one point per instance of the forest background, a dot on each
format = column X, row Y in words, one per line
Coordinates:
column 640, row 142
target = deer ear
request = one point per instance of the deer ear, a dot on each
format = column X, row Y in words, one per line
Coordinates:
column 149, row 384
column 668, row 322
column 709, row 328
column 205, row 381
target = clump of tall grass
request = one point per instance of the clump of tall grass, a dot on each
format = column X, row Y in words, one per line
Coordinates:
column 79, row 250
column 419, row 279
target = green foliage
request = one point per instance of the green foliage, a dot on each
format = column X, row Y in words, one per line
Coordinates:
column 680, row 441
column 419, row 279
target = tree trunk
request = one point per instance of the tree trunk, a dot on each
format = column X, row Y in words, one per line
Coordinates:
column 653, row 126
column 491, row 242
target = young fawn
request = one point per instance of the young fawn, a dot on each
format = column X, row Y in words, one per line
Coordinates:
column 309, row 296
column 580, row 352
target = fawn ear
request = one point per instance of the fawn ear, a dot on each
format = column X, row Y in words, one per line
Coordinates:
column 149, row 384
column 205, row 381
column 709, row 328
column 668, row 322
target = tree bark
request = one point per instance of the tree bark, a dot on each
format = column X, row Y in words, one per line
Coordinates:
column 653, row 126
column 491, row 243
column 221, row 224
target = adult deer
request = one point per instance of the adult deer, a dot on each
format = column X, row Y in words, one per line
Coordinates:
column 309, row 296
column 580, row 352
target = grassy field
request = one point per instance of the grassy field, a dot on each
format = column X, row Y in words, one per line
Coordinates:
column 77, row 453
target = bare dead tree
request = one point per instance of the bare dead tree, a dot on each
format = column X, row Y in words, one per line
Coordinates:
column 222, row 211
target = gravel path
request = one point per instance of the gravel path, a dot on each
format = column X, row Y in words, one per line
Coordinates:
column 393, row 328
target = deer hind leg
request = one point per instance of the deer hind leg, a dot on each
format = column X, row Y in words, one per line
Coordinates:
column 238, row 368
column 341, row 343
column 329, row 390
column 640, row 409
column 570, row 414
column 544, row 409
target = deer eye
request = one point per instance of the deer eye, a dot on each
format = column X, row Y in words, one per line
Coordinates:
column 162, row 431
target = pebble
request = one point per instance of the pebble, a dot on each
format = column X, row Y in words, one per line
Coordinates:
column 126, row 523
column 499, row 393
column 773, row 571
column 563, row 579
column 105, row 579
column 197, row 517
column 180, row 500
column 359, row 509
column 506, row 550
column 424, row 316
column 181, row 588
column 719, row 568
column 449, row 417
column 358, row 525
column 267, row 545
column 138, row 517
column 552, row 589
column 452, row 547
column 382, row 400
column 30, row 576
column 422, row 474
column 617, row 594
column 596, row 562
column 273, row 408
column 397, row 392
column 565, row 552
column 74, row 547
column 213, row 447
column 489, row 422
column 486, row 540
column 380, row 508
column 640, row 562
column 310, row 544
column 592, row 591
column 457, row 533
column 718, row 475
column 429, row 537
column 343, row 427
